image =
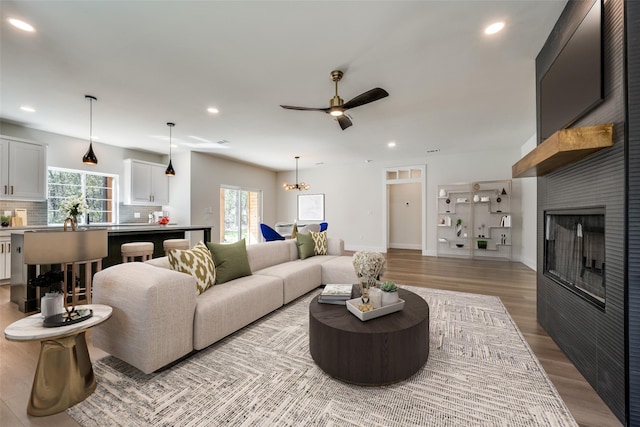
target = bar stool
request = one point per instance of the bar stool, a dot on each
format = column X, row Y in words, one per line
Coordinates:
column 132, row 250
column 169, row 244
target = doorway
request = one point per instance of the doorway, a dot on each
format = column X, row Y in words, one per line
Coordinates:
column 405, row 208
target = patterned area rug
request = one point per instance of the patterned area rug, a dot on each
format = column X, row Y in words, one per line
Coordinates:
column 480, row 372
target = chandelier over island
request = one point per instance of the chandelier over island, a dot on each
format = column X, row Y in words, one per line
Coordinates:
column 297, row 186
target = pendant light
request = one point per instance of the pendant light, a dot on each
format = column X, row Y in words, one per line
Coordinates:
column 170, row 171
column 297, row 186
column 89, row 157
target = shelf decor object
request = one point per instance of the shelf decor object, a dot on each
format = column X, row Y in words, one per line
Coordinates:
column 564, row 147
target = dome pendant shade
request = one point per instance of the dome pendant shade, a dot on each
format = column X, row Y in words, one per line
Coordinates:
column 89, row 157
column 170, row 171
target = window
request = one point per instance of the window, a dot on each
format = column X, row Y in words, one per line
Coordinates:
column 240, row 212
column 98, row 189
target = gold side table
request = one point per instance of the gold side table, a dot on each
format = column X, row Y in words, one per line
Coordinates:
column 64, row 374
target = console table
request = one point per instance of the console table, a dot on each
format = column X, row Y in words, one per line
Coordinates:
column 379, row 351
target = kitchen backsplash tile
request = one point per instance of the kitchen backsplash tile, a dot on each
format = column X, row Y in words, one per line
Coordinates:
column 37, row 212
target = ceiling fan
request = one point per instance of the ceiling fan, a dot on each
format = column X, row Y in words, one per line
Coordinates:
column 337, row 106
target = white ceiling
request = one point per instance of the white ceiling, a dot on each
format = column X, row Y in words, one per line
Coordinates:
column 149, row 62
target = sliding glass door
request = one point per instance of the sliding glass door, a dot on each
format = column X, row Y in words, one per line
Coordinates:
column 240, row 213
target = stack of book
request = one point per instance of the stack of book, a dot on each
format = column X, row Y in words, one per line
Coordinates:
column 335, row 294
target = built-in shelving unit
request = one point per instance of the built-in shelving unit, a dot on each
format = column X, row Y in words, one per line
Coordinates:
column 474, row 220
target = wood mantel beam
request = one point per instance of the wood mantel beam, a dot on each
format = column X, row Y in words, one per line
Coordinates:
column 564, row 147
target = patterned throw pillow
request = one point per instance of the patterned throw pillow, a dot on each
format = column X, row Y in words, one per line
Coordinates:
column 196, row 262
column 320, row 245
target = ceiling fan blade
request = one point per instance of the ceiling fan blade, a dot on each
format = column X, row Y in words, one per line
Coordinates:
column 365, row 98
column 344, row 122
column 290, row 107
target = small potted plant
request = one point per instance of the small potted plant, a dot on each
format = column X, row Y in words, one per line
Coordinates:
column 482, row 244
column 4, row 220
column 389, row 293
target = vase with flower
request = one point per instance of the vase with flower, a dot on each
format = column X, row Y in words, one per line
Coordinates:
column 368, row 266
column 72, row 207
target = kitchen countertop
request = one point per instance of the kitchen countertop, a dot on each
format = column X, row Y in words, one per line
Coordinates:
column 111, row 229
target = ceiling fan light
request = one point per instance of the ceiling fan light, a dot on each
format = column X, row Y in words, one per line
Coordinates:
column 336, row 112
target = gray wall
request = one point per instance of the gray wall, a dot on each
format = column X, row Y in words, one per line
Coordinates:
column 592, row 338
column 632, row 15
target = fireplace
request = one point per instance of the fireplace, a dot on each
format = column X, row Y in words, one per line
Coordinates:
column 574, row 251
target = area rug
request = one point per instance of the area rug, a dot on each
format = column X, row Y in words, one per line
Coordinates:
column 480, row 372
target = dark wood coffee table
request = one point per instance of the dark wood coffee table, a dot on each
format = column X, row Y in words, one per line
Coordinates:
column 379, row 351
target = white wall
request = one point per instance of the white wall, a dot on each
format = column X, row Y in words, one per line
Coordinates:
column 208, row 173
column 529, row 191
column 355, row 193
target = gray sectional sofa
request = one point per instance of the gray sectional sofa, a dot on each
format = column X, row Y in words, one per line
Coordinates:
column 158, row 318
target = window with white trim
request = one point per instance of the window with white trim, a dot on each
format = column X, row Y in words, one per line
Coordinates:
column 98, row 189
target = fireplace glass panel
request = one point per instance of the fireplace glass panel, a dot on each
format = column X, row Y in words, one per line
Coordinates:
column 574, row 252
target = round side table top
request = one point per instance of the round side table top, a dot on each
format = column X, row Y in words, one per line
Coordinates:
column 31, row 329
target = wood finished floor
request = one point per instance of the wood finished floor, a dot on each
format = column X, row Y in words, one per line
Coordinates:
column 513, row 282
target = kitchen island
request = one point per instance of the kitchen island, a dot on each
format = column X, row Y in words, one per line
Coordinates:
column 27, row 298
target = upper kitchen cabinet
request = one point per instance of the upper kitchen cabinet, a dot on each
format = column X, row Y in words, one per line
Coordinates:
column 145, row 183
column 23, row 168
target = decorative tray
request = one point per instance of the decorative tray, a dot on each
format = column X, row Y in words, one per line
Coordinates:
column 352, row 306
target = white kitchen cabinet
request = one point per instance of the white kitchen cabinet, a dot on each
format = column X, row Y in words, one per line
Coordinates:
column 23, row 170
column 145, row 183
column 5, row 258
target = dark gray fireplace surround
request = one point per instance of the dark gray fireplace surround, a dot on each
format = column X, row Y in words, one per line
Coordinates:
column 602, row 342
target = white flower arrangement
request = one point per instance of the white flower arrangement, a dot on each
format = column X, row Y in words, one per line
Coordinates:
column 74, row 206
column 369, row 265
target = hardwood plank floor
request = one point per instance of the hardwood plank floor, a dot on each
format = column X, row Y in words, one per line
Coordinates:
column 513, row 282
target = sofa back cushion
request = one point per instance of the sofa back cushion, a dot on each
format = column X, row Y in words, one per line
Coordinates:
column 263, row 255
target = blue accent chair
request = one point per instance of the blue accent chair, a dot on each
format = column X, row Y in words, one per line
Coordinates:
column 270, row 234
column 324, row 226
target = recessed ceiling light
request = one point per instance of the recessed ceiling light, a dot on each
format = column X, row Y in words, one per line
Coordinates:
column 28, row 109
column 494, row 28
column 213, row 110
column 21, row 24
column 368, row 161
column 391, row 144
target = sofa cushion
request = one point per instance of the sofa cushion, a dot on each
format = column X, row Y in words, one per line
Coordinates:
column 298, row 277
column 230, row 260
column 264, row 255
column 320, row 244
column 196, row 262
column 225, row 308
column 305, row 245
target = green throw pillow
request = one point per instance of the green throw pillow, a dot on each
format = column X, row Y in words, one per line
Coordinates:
column 230, row 259
column 320, row 244
column 305, row 245
column 196, row 262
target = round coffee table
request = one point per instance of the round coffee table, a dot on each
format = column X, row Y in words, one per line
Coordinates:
column 64, row 375
column 379, row 351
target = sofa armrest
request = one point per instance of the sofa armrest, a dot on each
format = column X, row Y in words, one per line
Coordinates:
column 335, row 246
column 153, row 310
